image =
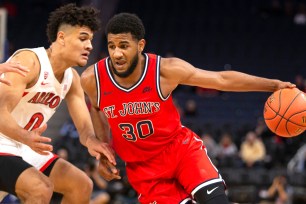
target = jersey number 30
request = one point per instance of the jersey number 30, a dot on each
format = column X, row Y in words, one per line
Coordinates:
column 142, row 130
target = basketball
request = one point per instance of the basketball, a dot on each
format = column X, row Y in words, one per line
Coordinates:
column 285, row 112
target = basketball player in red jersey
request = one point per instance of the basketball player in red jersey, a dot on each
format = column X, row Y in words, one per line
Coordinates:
column 12, row 67
column 28, row 169
column 166, row 163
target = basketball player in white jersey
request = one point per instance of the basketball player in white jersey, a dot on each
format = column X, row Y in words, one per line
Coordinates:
column 28, row 168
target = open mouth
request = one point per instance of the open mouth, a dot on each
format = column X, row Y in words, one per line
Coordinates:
column 120, row 63
column 85, row 55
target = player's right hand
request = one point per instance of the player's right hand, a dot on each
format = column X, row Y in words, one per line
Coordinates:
column 12, row 67
column 37, row 142
column 285, row 84
column 97, row 149
column 107, row 170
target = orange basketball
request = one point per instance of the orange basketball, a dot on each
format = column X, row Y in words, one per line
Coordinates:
column 285, row 112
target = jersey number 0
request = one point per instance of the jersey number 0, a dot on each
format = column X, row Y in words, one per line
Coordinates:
column 35, row 121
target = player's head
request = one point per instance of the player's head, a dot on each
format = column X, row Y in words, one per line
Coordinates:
column 125, row 38
column 72, row 28
column 126, row 23
column 72, row 15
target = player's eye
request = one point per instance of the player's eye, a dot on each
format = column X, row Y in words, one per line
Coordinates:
column 111, row 47
column 124, row 46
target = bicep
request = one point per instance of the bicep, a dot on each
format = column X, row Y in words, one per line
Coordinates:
column 11, row 95
column 175, row 71
column 204, row 78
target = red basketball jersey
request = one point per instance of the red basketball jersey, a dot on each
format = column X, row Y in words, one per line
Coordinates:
column 142, row 121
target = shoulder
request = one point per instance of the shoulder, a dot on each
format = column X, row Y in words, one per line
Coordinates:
column 168, row 61
column 75, row 84
column 27, row 58
column 174, row 67
column 89, row 71
column 74, row 72
column 173, row 63
column 30, row 60
column 75, row 77
column 88, row 76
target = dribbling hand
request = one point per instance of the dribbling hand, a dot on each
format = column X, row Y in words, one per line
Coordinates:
column 283, row 85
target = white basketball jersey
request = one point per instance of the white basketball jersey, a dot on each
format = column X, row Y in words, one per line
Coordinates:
column 39, row 102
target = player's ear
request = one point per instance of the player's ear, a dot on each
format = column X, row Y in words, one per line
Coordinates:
column 141, row 45
column 60, row 37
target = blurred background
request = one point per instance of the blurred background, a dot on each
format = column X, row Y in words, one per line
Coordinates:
column 261, row 37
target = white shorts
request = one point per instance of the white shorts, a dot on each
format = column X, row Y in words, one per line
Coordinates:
column 39, row 161
column 12, row 147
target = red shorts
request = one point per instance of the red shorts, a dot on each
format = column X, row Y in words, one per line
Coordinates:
column 175, row 175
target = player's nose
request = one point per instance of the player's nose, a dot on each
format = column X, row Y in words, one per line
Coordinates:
column 117, row 53
column 89, row 46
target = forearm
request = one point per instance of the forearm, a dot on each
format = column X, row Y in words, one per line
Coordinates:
column 271, row 191
column 84, row 134
column 282, row 193
column 10, row 128
column 100, row 124
column 238, row 81
column 99, row 181
column 82, row 122
column 86, row 130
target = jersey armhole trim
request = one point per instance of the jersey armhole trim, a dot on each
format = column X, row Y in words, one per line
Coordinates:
column 97, row 77
column 158, row 80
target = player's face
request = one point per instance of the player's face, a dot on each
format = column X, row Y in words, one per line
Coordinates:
column 77, row 45
column 124, row 53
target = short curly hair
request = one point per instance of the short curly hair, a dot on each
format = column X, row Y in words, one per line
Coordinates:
column 126, row 23
column 70, row 14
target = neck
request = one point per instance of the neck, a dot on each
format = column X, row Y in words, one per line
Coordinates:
column 56, row 63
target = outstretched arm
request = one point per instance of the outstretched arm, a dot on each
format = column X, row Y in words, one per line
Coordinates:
column 175, row 71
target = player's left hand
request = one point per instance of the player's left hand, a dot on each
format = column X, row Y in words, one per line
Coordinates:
column 107, row 170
